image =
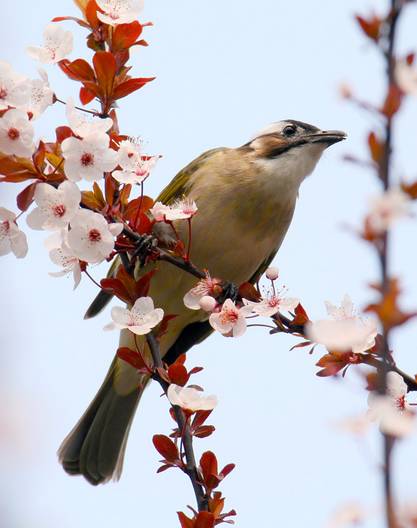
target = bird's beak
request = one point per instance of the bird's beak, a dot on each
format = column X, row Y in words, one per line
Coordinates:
column 328, row 137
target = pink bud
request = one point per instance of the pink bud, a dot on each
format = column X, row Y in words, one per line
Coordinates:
column 272, row 273
column 207, row 303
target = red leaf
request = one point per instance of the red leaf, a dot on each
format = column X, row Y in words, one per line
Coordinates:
column 78, row 70
column 125, row 35
column 370, row 27
column 410, row 189
column 376, row 148
column 204, row 431
column 143, row 284
column 86, row 95
column 185, row 521
column 227, row 469
column 208, row 463
column 91, row 14
column 301, row 317
column 178, row 374
column 115, row 287
column 129, row 86
column 63, row 132
column 392, row 102
column 38, row 156
column 200, row 418
column 105, row 68
column 144, row 202
column 410, row 59
column 204, row 520
column 25, row 197
column 166, row 447
column 131, row 357
column 249, row 292
column 90, row 200
column 110, row 187
column 75, row 19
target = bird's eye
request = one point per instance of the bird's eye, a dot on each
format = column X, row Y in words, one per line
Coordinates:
column 289, row 130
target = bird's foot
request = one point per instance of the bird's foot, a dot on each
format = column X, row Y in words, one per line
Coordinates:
column 230, row 291
column 144, row 246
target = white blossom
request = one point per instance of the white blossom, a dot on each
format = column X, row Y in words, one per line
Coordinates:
column 392, row 410
column 231, row 320
column 91, row 238
column 88, row 158
column 16, row 134
column 345, row 331
column 58, row 43
column 348, row 515
column 14, row 90
column 180, row 210
column 272, row 273
column 62, row 255
column 140, row 319
column 272, row 304
column 83, row 126
column 119, row 11
column 406, row 77
column 207, row 303
column 12, row 239
column 40, row 95
column 135, row 167
column 55, row 207
column 205, row 287
column 387, row 208
column 190, row 399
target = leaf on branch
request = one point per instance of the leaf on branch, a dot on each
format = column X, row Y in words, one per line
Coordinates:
column 132, row 357
column 110, row 188
column 125, row 35
column 371, row 26
column 178, row 374
column 86, row 95
column 90, row 11
column 17, row 170
column 204, row 431
column 77, row 70
column 410, row 189
column 249, row 292
column 301, row 317
column 166, row 447
column 205, row 520
column 388, row 311
column 392, row 101
column 376, row 148
column 185, row 521
column 117, row 288
column 301, row 345
column 25, row 198
column 105, row 68
column 130, row 86
column 334, row 362
column 80, row 22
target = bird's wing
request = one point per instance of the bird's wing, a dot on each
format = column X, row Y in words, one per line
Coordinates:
column 175, row 190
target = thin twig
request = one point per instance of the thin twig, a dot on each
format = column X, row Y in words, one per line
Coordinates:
column 191, row 465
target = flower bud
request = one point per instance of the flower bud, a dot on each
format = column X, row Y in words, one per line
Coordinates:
column 207, row 303
column 272, row 273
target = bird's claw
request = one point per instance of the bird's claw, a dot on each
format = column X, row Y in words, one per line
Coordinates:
column 144, row 247
column 230, row 291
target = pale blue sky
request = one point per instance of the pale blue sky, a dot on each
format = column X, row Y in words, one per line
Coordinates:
column 224, row 70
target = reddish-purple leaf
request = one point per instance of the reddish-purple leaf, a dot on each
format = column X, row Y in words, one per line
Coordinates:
column 166, row 447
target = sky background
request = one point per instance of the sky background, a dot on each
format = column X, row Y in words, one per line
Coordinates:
column 224, row 70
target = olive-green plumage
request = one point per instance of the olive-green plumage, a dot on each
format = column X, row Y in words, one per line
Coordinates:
column 246, row 199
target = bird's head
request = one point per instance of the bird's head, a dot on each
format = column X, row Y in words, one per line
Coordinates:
column 291, row 149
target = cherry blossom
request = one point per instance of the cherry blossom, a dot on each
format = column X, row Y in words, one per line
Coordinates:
column 11, row 238
column 272, row 273
column 40, row 95
column 135, row 166
column 230, row 320
column 387, row 208
column 58, row 43
column 83, row 126
column 406, row 77
column 272, row 304
column 207, row 303
column 56, row 207
column 345, row 331
column 140, row 319
column 91, row 238
column 392, row 410
column 119, row 11
column 14, row 90
column 205, row 287
column 62, row 255
column 190, row 399
column 16, row 134
column 180, row 210
column 88, row 158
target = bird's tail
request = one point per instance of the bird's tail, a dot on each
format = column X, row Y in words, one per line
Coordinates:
column 95, row 447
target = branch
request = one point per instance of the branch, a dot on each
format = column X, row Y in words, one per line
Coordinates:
column 183, row 427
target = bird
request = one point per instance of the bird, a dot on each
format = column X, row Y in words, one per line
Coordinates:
column 246, row 198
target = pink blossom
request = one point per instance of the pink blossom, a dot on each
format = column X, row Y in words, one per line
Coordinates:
column 11, row 238
column 387, row 208
column 119, row 11
column 180, row 210
column 205, row 287
column 190, row 399
column 83, row 126
column 231, row 320
column 14, row 90
column 58, row 43
column 140, row 319
column 16, row 134
column 62, row 255
column 272, row 304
